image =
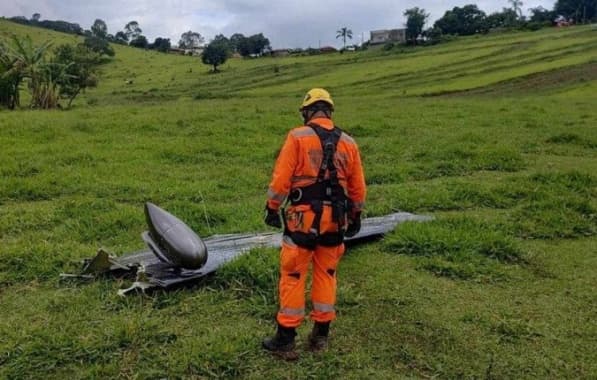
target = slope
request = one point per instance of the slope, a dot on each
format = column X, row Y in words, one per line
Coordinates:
column 500, row 286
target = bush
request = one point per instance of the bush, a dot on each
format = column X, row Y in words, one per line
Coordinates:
column 99, row 46
column 388, row 46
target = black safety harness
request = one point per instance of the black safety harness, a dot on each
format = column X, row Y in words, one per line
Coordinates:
column 322, row 192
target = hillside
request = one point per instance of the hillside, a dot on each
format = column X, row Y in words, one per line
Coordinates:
column 493, row 135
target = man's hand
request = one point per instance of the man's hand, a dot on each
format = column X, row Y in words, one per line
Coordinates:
column 272, row 217
column 354, row 224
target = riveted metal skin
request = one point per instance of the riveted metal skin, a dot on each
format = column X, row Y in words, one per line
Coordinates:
column 172, row 241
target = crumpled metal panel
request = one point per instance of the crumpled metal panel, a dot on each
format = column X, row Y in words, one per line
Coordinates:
column 152, row 272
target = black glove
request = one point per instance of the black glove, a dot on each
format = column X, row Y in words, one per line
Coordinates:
column 354, row 224
column 272, row 217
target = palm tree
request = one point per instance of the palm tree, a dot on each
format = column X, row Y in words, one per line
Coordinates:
column 344, row 33
column 517, row 7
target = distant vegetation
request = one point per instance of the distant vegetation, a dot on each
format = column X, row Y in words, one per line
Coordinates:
column 469, row 19
column 70, row 70
column 66, row 79
column 459, row 21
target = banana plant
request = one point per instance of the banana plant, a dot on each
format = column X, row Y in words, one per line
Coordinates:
column 21, row 60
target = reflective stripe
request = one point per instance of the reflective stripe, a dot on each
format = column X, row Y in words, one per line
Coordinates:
column 291, row 311
column 359, row 205
column 288, row 240
column 323, row 307
column 347, row 138
column 271, row 194
column 305, row 131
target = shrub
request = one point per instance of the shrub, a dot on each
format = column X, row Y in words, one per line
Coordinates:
column 388, row 46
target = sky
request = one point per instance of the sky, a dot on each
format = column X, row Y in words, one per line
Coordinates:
column 287, row 24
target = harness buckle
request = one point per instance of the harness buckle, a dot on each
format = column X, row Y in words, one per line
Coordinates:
column 296, row 195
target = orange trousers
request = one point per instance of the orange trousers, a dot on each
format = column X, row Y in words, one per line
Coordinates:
column 294, row 265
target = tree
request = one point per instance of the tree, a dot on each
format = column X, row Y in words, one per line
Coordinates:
column 235, row 41
column 99, row 45
column 259, row 44
column 190, row 40
column 254, row 45
column 215, row 54
column 35, row 17
column 121, row 38
column 78, row 64
column 23, row 60
column 161, row 44
column 69, row 71
column 11, row 76
column 463, row 21
column 517, row 7
column 344, row 33
column 220, row 38
column 19, row 60
column 507, row 18
column 415, row 21
column 99, row 29
column 433, row 35
column 542, row 15
column 132, row 30
column 578, row 10
column 140, row 42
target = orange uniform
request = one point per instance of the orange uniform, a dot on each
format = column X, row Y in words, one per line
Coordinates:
column 298, row 166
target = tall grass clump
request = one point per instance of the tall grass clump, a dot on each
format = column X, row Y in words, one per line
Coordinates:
column 460, row 248
column 553, row 205
column 456, row 239
column 255, row 273
column 452, row 161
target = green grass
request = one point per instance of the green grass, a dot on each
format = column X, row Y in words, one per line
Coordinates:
column 501, row 150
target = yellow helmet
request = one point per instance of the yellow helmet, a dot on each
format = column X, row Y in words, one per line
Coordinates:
column 317, row 95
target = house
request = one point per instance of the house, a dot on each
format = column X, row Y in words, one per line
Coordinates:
column 175, row 50
column 387, row 35
column 280, row 53
column 197, row 51
column 561, row 21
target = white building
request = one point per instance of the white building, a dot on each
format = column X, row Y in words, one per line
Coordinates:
column 387, row 35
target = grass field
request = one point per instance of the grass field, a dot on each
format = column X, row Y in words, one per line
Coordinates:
column 495, row 136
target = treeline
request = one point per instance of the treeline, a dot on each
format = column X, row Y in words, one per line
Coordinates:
column 58, row 25
column 469, row 19
column 221, row 48
column 132, row 35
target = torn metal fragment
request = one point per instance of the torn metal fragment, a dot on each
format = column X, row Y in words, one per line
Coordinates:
column 154, row 270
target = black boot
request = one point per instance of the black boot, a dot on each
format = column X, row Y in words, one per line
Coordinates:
column 318, row 339
column 282, row 344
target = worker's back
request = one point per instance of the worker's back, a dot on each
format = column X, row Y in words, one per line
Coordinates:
column 300, row 160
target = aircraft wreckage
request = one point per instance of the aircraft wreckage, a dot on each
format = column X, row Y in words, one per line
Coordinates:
column 176, row 255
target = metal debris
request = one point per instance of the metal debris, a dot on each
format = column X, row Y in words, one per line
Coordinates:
column 152, row 272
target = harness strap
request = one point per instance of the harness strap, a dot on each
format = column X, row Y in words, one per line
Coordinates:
column 322, row 190
column 329, row 142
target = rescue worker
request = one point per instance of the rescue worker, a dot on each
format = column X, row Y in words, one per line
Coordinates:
column 319, row 176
